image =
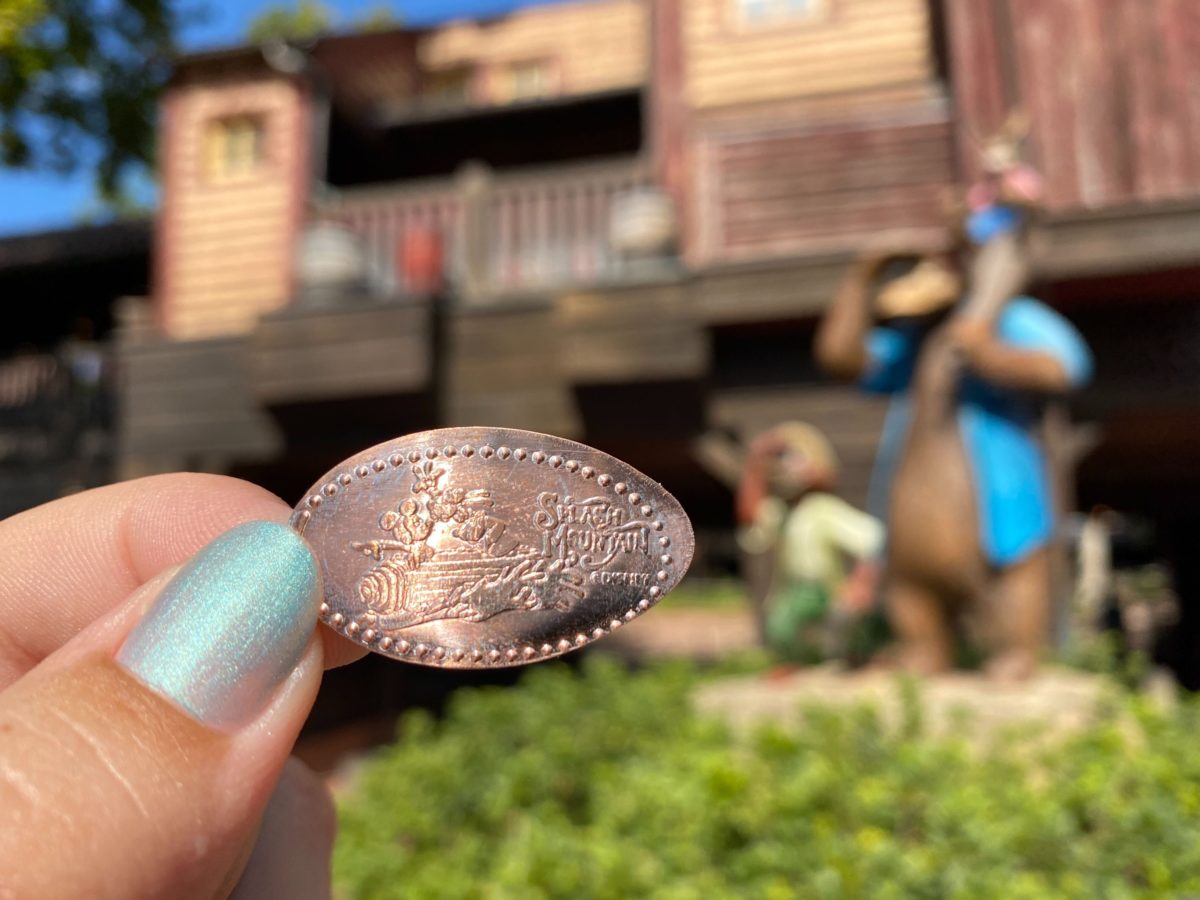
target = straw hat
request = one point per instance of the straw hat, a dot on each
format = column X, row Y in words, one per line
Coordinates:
column 802, row 440
column 928, row 287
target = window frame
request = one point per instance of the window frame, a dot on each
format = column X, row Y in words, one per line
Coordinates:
column 223, row 151
column 545, row 69
column 820, row 13
column 435, row 92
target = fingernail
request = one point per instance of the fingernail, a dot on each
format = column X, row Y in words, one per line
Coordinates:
column 231, row 626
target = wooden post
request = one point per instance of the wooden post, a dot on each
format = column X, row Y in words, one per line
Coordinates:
column 668, row 105
column 475, row 188
column 1066, row 445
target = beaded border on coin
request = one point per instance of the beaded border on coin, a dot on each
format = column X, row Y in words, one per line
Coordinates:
column 515, row 654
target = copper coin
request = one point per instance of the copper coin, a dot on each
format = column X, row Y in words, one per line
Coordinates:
column 479, row 547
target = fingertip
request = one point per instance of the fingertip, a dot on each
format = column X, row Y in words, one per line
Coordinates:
column 231, row 626
column 338, row 650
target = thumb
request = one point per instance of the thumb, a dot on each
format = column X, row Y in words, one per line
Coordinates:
column 137, row 763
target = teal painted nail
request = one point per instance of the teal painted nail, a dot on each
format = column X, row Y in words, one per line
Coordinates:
column 231, row 626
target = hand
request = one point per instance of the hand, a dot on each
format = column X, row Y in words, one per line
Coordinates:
column 857, row 593
column 769, row 443
column 971, row 337
column 147, row 710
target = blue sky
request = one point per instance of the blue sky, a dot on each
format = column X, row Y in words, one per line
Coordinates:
column 33, row 201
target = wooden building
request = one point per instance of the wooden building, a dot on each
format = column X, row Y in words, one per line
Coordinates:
column 618, row 220
column 61, row 290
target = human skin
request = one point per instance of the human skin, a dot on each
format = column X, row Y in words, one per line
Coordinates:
column 110, row 787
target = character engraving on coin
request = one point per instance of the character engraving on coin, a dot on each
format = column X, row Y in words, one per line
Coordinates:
column 470, row 568
column 448, row 548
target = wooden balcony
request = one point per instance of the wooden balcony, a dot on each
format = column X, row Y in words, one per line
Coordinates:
column 55, row 435
column 368, row 349
column 531, row 232
column 645, row 332
column 188, row 405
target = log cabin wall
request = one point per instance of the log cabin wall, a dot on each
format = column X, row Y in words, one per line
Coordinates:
column 235, row 175
column 1112, row 87
column 582, row 48
column 840, row 46
column 807, row 135
column 819, row 187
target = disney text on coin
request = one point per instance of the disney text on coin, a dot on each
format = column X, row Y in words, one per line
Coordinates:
column 482, row 547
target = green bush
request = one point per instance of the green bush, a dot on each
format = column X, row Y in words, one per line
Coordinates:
column 605, row 785
column 708, row 593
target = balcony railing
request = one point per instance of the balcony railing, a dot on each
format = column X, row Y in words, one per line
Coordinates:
column 55, row 426
column 498, row 233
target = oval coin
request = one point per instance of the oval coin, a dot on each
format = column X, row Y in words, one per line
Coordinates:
column 481, row 547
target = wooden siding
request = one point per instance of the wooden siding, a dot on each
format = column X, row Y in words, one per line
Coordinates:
column 769, row 291
column 188, row 405
column 979, row 50
column 590, row 46
column 1113, row 90
column 852, row 45
column 633, row 334
column 504, row 368
column 369, row 68
column 354, row 351
column 818, row 188
column 225, row 248
column 1113, row 87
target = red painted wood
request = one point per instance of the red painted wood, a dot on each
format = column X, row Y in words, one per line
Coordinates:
column 819, row 190
column 667, row 96
column 1163, row 130
column 1047, row 67
column 421, row 259
column 1112, row 86
column 977, row 76
column 1180, row 27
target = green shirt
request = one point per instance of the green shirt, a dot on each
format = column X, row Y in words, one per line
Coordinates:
column 815, row 537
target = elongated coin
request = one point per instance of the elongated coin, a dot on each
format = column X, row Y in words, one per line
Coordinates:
column 480, row 547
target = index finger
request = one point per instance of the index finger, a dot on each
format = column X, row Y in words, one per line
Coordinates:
column 64, row 564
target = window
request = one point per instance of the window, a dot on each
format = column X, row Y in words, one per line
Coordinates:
column 771, row 12
column 234, row 146
column 528, row 79
column 450, row 87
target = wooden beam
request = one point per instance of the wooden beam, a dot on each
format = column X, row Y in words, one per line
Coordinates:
column 1131, row 240
column 645, row 333
column 185, row 403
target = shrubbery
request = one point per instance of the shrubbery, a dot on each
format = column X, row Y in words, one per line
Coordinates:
column 605, row 785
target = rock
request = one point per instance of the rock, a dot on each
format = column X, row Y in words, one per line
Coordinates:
column 1055, row 700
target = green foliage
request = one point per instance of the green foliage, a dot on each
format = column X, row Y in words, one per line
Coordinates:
column 378, row 18
column 1102, row 654
column 309, row 19
column 15, row 17
column 79, row 83
column 708, row 593
column 305, row 20
column 606, row 785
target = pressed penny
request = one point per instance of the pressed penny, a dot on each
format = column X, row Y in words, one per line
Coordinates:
column 480, row 547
